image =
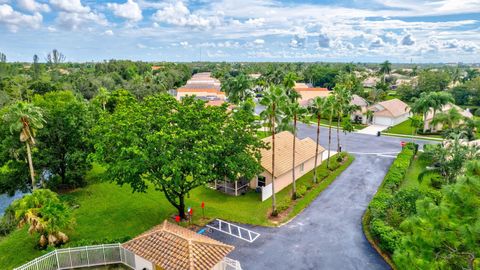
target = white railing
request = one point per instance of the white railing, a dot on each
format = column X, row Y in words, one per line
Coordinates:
column 69, row 258
column 230, row 264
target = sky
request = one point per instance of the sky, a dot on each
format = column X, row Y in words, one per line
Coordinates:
column 419, row 31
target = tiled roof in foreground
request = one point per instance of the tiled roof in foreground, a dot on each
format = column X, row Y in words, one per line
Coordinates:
column 173, row 247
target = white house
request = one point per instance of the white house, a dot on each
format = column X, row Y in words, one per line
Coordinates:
column 390, row 113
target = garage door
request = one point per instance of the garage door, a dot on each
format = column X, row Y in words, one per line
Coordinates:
column 384, row 121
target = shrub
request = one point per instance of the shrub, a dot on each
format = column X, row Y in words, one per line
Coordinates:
column 379, row 204
column 283, row 205
column 436, row 181
column 301, row 191
column 397, row 171
column 388, row 237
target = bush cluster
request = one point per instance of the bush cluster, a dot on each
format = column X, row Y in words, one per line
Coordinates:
column 389, row 208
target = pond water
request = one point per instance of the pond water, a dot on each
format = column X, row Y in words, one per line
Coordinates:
column 6, row 200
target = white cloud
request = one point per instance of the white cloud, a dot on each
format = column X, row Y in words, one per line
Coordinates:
column 70, row 6
column 256, row 22
column 179, row 15
column 130, row 10
column 75, row 21
column 108, row 33
column 32, row 6
column 184, row 43
column 15, row 20
column 259, row 41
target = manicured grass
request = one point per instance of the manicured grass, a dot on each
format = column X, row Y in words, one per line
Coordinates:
column 403, row 128
column 106, row 212
column 411, row 177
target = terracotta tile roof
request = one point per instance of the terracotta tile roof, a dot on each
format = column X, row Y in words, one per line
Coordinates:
column 199, row 90
column 359, row 101
column 304, row 149
column 175, row 248
column 311, row 89
column 219, row 102
column 391, row 108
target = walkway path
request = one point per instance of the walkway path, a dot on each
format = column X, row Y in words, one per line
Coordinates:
column 328, row 234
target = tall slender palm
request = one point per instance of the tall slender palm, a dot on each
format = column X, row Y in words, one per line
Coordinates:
column 385, row 68
column 449, row 119
column 330, row 109
column 289, row 83
column 415, row 124
column 273, row 100
column 343, row 96
column 317, row 107
column 293, row 112
column 237, row 88
column 25, row 119
column 102, row 97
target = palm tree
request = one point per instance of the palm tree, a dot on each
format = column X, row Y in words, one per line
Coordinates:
column 25, row 119
column 438, row 100
column 343, row 96
column 237, row 88
column 449, row 119
column 385, row 68
column 289, row 83
column 273, row 100
column 45, row 214
column 415, row 124
column 103, row 96
column 422, row 106
column 331, row 108
column 292, row 111
column 317, row 107
column 369, row 116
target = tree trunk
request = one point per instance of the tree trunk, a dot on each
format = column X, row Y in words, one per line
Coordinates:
column 424, row 122
column 316, row 150
column 329, row 140
column 338, row 133
column 274, row 203
column 30, row 165
column 294, row 190
column 181, row 207
column 432, row 127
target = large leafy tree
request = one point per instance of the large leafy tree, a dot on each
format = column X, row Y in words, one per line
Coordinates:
column 274, row 99
column 170, row 145
column 24, row 119
column 46, row 215
column 63, row 142
column 445, row 235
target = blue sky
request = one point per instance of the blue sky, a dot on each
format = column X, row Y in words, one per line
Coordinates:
column 247, row 30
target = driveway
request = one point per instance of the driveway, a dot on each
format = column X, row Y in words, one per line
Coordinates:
column 372, row 129
column 328, row 234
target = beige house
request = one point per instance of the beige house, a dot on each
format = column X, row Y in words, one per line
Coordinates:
column 304, row 162
column 390, row 113
column 171, row 247
column 427, row 121
column 308, row 93
column 359, row 115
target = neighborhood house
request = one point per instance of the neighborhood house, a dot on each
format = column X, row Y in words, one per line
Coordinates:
column 304, row 162
column 359, row 115
column 171, row 247
column 427, row 121
column 308, row 92
column 203, row 86
column 390, row 113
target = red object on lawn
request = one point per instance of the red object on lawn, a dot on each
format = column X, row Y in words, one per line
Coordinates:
column 177, row 219
column 190, row 211
column 203, row 205
column 403, row 144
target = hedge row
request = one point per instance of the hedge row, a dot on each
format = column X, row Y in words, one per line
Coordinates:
column 386, row 235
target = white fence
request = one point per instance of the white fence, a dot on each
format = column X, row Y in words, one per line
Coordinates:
column 266, row 192
column 87, row 256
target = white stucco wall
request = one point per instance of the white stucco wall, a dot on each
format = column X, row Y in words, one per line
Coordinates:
column 141, row 263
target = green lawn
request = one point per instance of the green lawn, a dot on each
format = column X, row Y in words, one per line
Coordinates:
column 405, row 128
column 411, row 177
column 106, row 212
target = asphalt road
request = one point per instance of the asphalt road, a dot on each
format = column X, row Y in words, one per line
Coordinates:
column 328, row 234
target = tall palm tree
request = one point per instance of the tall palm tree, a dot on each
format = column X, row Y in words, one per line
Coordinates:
column 103, row 96
column 273, row 100
column 343, row 96
column 369, row 116
column 25, row 119
column 237, row 88
column 289, row 83
column 415, row 124
column 330, row 109
column 385, row 68
column 292, row 111
column 317, row 107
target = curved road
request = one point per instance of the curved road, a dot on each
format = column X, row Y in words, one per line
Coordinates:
column 328, row 234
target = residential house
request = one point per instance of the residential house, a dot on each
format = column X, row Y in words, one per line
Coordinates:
column 304, row 162
column 203, row 86
column 308, row 92
column 427, row 121
column 171, row 247
column 358, row 116
column 370, row 82
column 389, row 113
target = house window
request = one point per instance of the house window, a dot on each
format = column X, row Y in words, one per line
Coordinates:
column 261, row 181
column 302, row 167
